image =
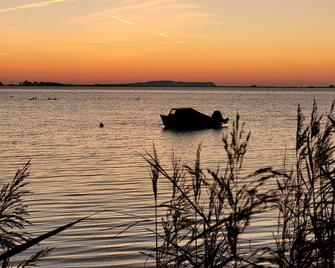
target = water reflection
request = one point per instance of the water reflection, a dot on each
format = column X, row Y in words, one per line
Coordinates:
column 78, row 168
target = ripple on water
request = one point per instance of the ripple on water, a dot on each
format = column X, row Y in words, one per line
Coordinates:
column 79, row 169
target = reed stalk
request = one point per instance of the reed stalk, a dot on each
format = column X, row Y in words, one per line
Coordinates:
column 154, row 179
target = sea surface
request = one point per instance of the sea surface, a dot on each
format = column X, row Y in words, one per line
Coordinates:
column 78, row 169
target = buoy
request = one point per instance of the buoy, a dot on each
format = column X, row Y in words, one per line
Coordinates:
column 101, row 125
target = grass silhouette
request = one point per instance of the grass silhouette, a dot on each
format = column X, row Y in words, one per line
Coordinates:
column 209, row 210
column 14, row 217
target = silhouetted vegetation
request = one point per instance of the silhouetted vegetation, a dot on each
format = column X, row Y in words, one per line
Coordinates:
column 40, row 84
column 209, row 210
column 1, row 84
column 306, row 222
column 165, row 83
column 14, row 218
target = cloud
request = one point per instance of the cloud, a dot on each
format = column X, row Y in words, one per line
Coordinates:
column 164, row 19
column 152, row 43
column 124, row 7
column 4, row 54
column 162, row 11
column 33, row 5
column 142, row 5
column 121, row 20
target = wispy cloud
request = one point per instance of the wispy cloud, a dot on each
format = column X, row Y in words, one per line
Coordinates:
column 121, row 20
column 151, row 10
column 142, row 5
column 159, row 19
column 33, row 5
column 4, row 54
column 152, row 43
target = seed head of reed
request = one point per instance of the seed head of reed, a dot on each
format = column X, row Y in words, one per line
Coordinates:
column 154, row 173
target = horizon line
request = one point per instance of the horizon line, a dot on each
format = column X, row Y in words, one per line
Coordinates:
column 147, row 84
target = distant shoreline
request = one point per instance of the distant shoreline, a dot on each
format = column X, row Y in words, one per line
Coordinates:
column 162, row 83
column 153, row 84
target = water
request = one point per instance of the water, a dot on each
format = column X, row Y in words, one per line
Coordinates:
column 78, row 168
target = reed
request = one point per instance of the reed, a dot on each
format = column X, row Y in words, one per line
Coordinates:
column 209, row 211
column 154, row 180
column 306, row 222
column 14, row 217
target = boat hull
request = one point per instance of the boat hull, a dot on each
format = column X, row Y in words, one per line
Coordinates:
column 189, row 119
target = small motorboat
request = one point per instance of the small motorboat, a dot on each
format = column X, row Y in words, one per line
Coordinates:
column 188, row 119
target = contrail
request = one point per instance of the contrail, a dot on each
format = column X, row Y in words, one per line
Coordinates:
column 121, row 20
column 159, row 43
column 33, row 5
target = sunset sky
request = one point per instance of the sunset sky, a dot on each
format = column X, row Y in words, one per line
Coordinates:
column 281, row 42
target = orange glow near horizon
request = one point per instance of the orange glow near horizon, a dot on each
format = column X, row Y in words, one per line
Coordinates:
column 228, row 42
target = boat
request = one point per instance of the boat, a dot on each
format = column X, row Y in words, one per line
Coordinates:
column 189, row 119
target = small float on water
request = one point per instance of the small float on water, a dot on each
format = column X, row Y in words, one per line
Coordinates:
column 190, row 119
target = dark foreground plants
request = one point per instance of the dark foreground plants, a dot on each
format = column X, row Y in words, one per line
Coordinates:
column 306, row 222
column 14, row 218
column 208, row 211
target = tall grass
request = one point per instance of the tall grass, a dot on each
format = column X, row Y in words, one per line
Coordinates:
column 14, row 218
column 306, row 223
column 208, row 211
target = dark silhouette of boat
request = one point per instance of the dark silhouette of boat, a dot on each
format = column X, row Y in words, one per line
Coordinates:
column 189, row 119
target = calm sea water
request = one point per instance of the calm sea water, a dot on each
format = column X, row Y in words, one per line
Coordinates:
column 78, row 168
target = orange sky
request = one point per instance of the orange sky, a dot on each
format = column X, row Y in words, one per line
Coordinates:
column 225, row 41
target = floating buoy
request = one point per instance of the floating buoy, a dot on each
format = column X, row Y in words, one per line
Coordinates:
column 101, row 125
